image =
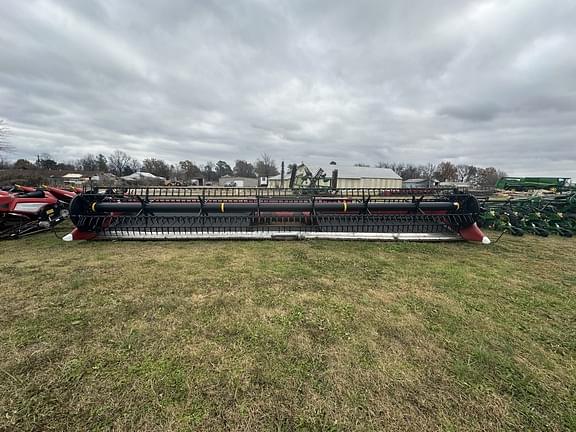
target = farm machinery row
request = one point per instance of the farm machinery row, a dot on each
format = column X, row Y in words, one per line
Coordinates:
column 257, row 213
column 540, row 216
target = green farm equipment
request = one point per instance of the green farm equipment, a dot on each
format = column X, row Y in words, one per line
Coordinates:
column 530, row 183
column 303, row 180
column 540, row 216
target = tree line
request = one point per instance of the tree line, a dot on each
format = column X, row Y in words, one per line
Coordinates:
column 446, row 171
column 120, row 164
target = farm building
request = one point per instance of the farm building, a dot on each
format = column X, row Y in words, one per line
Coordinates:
column 68, row 179
column 234, row 181
column 349, row 177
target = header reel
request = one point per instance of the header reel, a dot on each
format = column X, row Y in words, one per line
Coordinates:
column 119, row 215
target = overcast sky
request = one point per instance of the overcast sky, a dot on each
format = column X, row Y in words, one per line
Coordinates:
column 483, row 82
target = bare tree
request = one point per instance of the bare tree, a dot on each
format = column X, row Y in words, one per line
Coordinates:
column 466, row 172
column 4, row 132
column 428, row 171
column 397, row 167
column 266, row 166
column 488, row 176
column 3, row 145
column 118, row 162
column 190, row 170
column 446, row 171
column 157, row 167
column 133, row 166
column 406, row 171
column 121, row 164
column 88, row 163
column 4, row 164
column 410, row 172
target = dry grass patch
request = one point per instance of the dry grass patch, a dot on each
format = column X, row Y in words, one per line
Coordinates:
column 287, row 335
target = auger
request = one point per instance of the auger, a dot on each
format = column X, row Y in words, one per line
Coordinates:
column 121, row 214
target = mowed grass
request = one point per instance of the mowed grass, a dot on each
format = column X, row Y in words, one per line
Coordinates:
column 313, row 335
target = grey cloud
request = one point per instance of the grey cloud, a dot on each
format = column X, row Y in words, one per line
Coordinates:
column 485, row 82
column 471, row 112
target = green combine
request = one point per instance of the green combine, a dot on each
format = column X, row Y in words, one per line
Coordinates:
column 528, row 183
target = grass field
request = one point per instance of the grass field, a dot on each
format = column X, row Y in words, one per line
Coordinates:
column 287, row 335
